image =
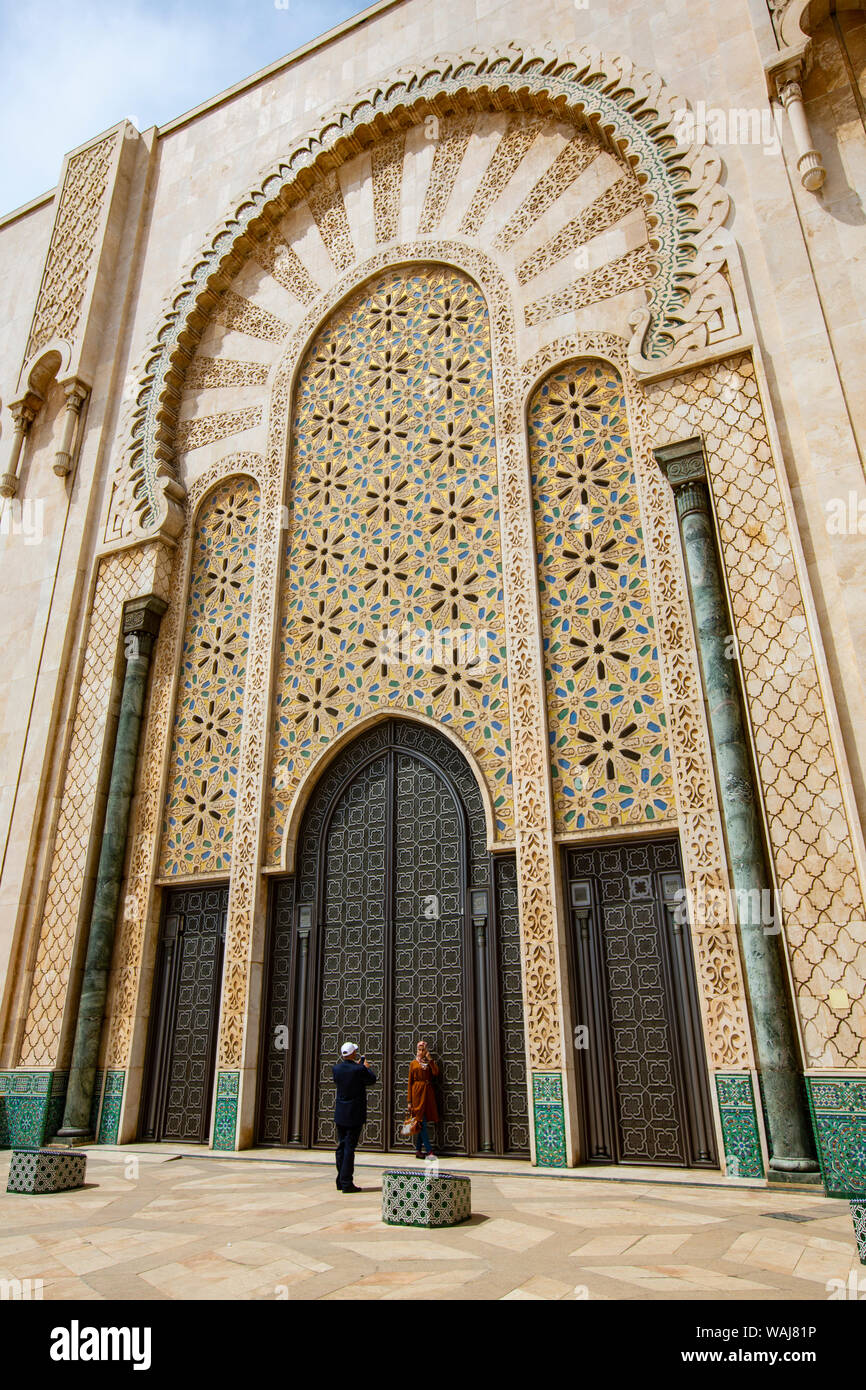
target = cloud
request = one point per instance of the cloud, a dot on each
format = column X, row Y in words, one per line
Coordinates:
column 69, row 72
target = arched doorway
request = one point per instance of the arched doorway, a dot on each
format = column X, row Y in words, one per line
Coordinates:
column 398, row 924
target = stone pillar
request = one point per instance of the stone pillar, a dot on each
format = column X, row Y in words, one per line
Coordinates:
column 23, row 413
column 141, row 619
column 76, row 395
column 785, row 76
column 789, row 1131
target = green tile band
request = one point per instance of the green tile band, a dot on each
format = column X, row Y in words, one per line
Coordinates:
column 549, row 1116
column 31, row 1107
column 838, row 1108
column 226, row 1118
column 112, row 1099
column 740, row 1132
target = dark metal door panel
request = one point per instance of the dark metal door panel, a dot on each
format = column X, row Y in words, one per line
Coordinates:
column 642, row 1037
column 371, row 942
column 353, row 961
column 429, row 930
column 186, row 1010
column 644, row 1075
column 275, row 1059
column 513, row 1039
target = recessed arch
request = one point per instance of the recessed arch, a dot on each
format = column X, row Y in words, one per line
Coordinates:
column 198, row 809
column 365, row 583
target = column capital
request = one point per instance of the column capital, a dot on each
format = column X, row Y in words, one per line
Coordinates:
column 143, row 614
column 790, row 67
column 76, row 392
column 683, row 461
column 685, row 467
column 25, row 410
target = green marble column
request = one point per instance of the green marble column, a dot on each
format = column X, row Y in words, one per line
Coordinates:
column 141, row 619
column 789, row 1132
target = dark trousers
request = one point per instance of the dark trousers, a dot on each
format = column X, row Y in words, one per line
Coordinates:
column 348, row 1136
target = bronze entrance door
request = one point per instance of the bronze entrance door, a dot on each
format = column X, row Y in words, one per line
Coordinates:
column 645, row 1095
column 184, row 1017
column 389, row 932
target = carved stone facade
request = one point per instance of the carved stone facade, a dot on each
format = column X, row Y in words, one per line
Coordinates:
column 410, row 386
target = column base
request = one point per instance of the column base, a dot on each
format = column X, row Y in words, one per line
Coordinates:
column 68, row 1137
column 794, row 1165
column 786, row 1178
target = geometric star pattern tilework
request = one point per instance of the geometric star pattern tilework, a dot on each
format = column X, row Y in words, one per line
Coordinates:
column 610, row 760
column 203, row 767
column 392, row 592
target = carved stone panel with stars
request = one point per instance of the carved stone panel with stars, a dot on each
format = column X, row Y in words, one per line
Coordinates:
column 203, row 768
column 392, row 590
column 610, row 759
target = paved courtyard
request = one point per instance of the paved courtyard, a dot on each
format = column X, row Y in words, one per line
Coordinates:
column 152, row 1225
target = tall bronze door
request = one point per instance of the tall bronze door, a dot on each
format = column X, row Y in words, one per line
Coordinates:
column 645, row 1092
column 184, row 1017
column 397, row 926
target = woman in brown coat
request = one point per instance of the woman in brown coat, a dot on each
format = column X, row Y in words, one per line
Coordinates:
column 422, row 1098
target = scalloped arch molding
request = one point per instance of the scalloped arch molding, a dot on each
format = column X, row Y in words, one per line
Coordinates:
column 684, row 301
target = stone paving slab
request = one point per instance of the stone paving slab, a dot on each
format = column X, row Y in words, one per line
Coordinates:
column 201, row 1228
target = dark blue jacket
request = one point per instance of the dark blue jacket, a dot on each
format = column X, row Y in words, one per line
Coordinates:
column 352, row 1081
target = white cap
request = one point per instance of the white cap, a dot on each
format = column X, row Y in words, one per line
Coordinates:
column 348, row 1050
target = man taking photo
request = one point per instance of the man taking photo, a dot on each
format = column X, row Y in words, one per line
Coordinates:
column 352, row 1078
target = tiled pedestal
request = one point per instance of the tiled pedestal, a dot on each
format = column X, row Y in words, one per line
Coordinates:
column 46, row 1170
column 412, row 1198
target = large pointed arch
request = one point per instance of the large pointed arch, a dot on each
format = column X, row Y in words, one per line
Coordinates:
column 628, row 111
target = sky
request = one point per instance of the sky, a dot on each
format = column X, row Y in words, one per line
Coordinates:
column 69, row 69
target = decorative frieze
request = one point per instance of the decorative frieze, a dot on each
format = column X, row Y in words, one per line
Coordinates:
column 516, row 141
column 573, row 158
column 326, row 204
column 243, row 316
column 387, row 163
column 625, row 272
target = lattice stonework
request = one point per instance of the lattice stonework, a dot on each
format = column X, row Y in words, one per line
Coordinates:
column 810, row 837
column 610, row 760
column 392, row 590
column 61, row 294
column 202, row 788
column 123, row 576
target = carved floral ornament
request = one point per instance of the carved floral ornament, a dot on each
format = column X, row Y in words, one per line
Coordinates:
column 629, row 112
